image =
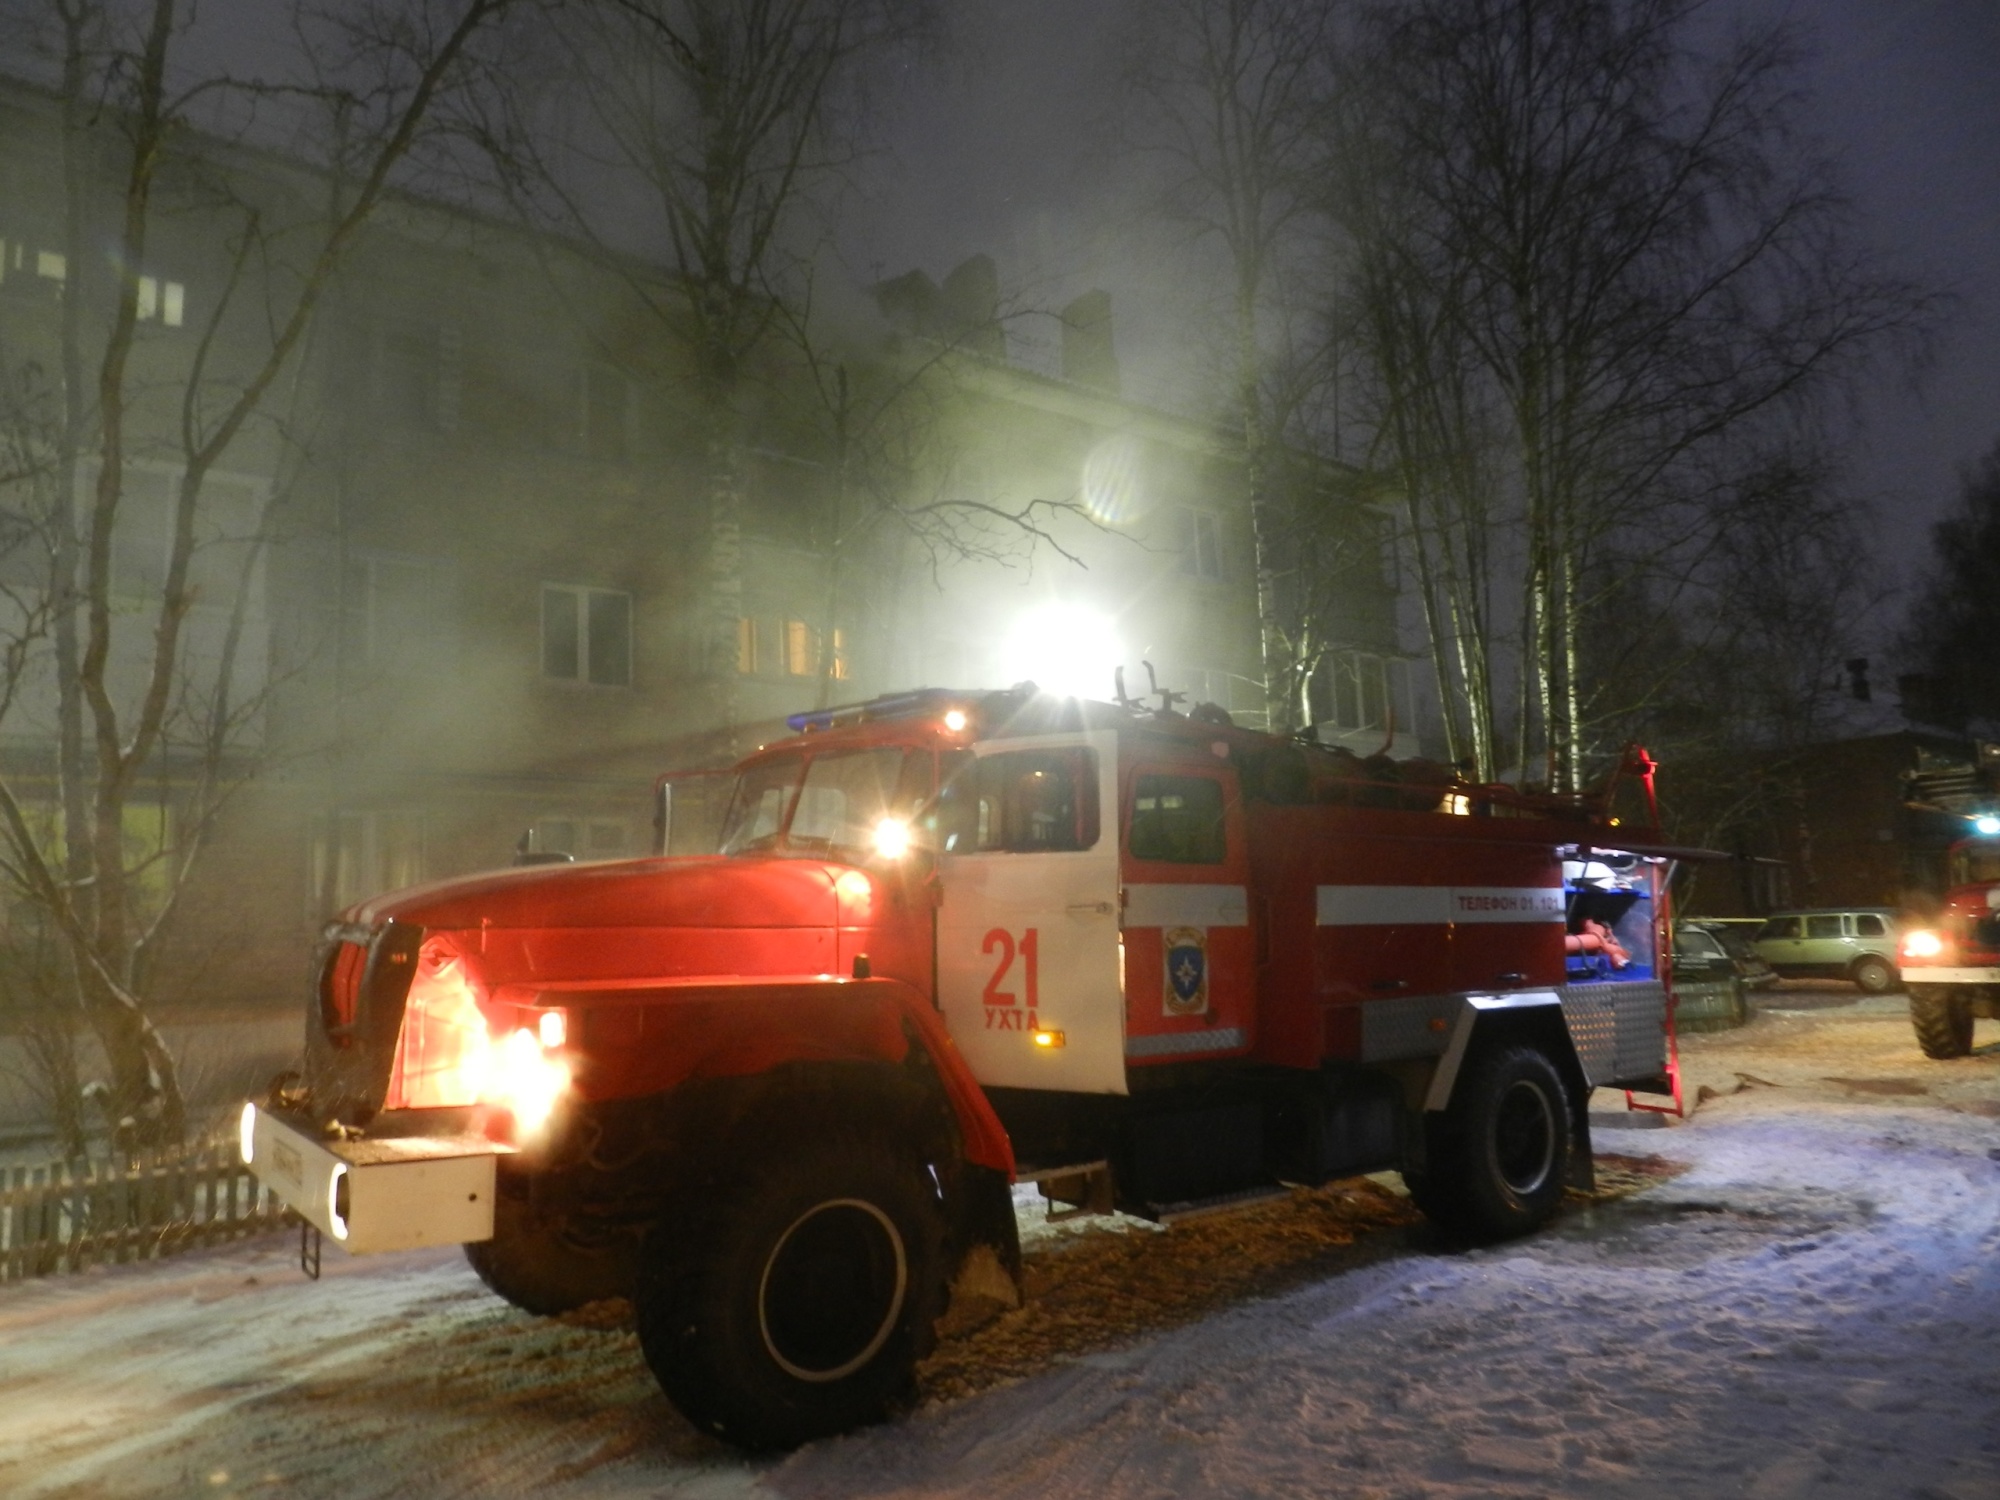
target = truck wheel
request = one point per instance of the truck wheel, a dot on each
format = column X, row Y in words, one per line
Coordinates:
column 1875, row 976
column 1942, row 1020
column 800, row 1306
column 530, row 1264
column 1497, row 1156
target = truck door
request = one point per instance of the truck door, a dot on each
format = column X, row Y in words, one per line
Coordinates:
column 1189, row 959
column 1027, row 950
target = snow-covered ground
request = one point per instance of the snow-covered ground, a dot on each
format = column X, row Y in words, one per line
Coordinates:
column 1811, row 1310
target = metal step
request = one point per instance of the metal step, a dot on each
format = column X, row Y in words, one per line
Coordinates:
column 1081, row 1187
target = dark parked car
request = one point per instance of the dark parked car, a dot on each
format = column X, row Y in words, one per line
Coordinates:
column 1708, row 992
column 1738, row 936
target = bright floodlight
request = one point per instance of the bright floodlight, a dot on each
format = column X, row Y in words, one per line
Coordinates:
column 1064, row 649
column 892, row 838
column 1988, row 824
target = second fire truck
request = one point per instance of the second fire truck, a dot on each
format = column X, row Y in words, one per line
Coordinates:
column 1951, row 967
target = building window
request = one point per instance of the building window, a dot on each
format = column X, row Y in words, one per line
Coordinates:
column 586, row 635
column 165, row 300
column 787, row 647
column 1368, row 692
column 1201, row 557
column 421, row 374
column 602, row 424
column 580, row 838
column 356, row 855
column 396, row 615
column 799, row 653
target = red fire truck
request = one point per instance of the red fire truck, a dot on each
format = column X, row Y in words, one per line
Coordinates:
column 777, row 1093
column 1951, row 968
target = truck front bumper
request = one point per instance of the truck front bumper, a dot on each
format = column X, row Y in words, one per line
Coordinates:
column 404, row 1193
column 1914, row 974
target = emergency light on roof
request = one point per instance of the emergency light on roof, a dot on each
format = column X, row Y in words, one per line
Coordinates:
column 889, row 706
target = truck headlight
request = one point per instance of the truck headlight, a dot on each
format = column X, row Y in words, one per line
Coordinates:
column 1922, row 943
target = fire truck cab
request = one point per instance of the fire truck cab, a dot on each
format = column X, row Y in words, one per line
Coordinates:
column 774, row 1083
column 1951, row 967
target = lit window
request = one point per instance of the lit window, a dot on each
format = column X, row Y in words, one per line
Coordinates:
column 746, row 645
column 166, row 301
column 840, row 668
column 586, row 635
column 50, row 263
column 799, row 652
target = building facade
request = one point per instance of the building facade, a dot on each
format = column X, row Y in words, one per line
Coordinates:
column 449, row 579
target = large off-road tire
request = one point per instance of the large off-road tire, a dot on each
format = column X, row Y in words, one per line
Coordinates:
column 1875, row 976
column 1497, row 1158
column 529, row 1263
column 1942, row 1020
column 798, row 1306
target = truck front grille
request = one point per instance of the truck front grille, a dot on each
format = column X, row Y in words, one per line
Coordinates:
column 340, row 991
column 360, row 979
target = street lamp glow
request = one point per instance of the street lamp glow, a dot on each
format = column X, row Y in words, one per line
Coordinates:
column 1065, row 649
column 1988, row 825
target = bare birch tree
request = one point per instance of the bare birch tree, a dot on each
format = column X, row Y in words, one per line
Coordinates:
column 130, row 695
column 1228, row 97
column 1606, row 283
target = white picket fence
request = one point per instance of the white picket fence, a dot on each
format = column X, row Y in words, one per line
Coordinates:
column 70, row 1215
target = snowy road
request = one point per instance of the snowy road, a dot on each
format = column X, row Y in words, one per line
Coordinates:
column 1811, row 1310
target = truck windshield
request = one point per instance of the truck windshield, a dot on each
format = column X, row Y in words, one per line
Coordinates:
column 830, row 804
column 757, row 810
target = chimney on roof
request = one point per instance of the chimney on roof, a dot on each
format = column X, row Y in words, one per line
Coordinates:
column 1087, row 354
column 911, row 302
column 971, row 308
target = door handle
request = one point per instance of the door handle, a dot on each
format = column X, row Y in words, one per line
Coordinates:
column 1089, row 908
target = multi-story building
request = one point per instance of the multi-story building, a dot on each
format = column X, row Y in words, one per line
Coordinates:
column 456, row 562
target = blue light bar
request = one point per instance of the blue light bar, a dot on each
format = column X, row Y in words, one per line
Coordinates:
column 889, row 706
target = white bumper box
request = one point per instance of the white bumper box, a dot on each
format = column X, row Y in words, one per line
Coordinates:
column 369, row 1196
